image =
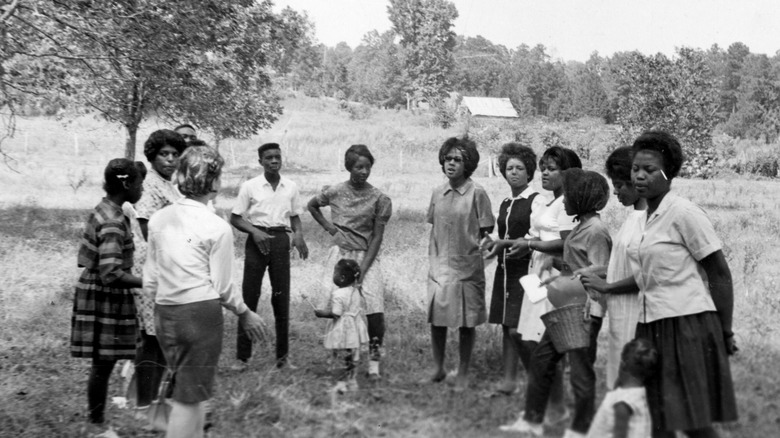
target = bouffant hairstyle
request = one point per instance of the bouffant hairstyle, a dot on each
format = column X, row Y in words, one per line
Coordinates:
column 639, row 358
column 520, row 152
column 565, row 158
column 349, row 268
column 267, row 147
column 354, row 152
column 199, row 170
column 161, row 138
column 467, row 148
column 121, row 174
column 585, row 191
column 619, row 162
column 665, row 144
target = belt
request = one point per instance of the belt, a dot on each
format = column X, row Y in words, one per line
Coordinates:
column 272, row 229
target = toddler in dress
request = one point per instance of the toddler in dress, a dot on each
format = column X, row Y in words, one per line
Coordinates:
column 347, row 330
column 624, row 413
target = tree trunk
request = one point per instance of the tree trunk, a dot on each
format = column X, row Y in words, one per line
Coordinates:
column 132, row 130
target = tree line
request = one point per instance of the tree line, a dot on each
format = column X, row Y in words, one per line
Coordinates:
column 218, row 64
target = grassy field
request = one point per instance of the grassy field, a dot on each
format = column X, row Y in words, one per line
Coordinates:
column 55, row 181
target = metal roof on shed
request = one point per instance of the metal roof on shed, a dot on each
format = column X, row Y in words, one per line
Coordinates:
column 490, row 106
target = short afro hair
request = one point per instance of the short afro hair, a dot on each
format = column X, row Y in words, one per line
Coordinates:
column 520, row 152
column 639, row 358
column 161, row 138
column 350, row 268
column 199, row 170
column 267, row 147
column 565, row 158
column 467, row 148
column 618, row 164
column 665, row 144
column 121, row 173
column 354, row 153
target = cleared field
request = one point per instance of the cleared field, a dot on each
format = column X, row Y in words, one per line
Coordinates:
column 45, row 200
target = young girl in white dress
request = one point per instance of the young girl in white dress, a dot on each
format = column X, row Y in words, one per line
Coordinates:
column 624, row 413
column 347, row 330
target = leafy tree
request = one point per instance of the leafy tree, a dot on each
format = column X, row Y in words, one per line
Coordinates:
column 336, row 70
column 376, row 70
column 589, row 97
column 200, row 61
column 479, row 66
column 757, row 109
column 678, row 95
column 425, row 28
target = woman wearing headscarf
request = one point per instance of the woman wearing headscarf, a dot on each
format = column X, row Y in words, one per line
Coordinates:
column 685, row 297
column 189, row 270
column 588, row 244
column 460, row 215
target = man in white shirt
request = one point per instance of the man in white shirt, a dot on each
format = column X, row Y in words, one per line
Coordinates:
column 268, row 207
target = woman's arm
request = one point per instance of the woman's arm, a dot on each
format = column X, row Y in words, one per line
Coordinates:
column 325, row 314
column 622, row 417
column 593, row 280
column 314, row 209
column 722, row 290
column 377, row 235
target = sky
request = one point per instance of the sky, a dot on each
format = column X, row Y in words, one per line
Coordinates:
column 573, row 29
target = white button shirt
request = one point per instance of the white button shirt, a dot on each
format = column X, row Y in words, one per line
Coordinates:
column 265, row 207
column 190, row 257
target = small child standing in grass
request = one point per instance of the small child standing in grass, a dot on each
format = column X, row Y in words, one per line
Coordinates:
column 347, row 331
column 624, row 413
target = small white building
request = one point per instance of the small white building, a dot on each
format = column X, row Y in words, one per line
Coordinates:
column 489, row 107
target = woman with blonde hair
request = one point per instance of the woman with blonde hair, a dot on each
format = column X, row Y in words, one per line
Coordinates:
column 189, row 269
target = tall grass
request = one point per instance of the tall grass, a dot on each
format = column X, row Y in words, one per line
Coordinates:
column 42, row 389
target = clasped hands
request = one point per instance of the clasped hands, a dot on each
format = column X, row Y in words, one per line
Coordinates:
column 517, row 248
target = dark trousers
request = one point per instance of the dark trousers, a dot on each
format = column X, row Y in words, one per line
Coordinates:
column 583, row 379
column 376, row 334
column 277, row 261
column 149, row 368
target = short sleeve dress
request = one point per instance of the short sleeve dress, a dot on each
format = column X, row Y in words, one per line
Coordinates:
column 547, row 222
column 639, row 426
column 350, row 330
column 103, row 325
column 354, row 212
column 514, row 221
column 456, row 277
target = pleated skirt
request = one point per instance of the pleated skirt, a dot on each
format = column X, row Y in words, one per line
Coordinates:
column 692, row 387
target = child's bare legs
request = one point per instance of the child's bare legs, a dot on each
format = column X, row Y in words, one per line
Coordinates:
column 349, row 365
column 510, row 355
column 467, row 337
column 438, row 345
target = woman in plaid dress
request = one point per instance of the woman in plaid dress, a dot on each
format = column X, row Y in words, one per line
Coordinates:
column 104, row 320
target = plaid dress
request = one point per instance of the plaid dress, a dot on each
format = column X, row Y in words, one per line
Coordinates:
column 104, row 320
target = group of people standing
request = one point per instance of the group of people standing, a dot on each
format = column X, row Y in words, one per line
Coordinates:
column 663, row 283
column 156, row 277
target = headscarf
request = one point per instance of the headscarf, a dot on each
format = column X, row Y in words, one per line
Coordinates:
column 585, row 191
